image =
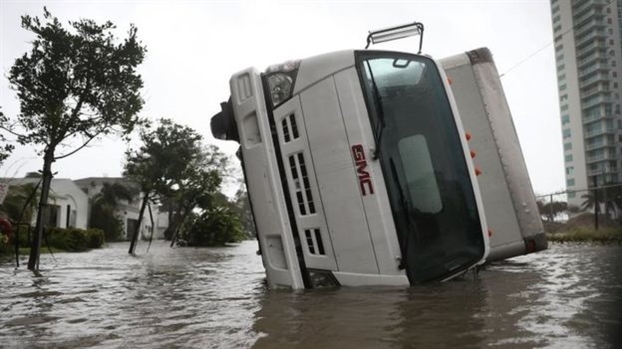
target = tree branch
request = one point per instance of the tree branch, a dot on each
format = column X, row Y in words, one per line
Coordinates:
column 12, row 132
column 75, row 151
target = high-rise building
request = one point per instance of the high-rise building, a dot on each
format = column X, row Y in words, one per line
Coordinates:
column 587, row 37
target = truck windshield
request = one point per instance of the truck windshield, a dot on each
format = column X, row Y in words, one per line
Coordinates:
column 423, row 162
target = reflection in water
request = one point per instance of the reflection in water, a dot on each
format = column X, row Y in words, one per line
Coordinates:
column 565, row 297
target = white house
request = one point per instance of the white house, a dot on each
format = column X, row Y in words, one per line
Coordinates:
column 68, row 203
column 127, row 211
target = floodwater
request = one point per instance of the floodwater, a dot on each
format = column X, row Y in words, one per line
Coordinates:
column 566, row 297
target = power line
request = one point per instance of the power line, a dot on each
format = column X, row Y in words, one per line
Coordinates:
column 545, row 46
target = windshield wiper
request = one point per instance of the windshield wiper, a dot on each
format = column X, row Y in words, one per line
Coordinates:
column 379, row 114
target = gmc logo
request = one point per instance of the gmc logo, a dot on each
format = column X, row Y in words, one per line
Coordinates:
column 367, row 187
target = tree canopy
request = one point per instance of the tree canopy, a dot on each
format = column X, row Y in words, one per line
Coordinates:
column 174, row 167
column 75, row 83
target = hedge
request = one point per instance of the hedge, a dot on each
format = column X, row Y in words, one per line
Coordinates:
column 74, row 239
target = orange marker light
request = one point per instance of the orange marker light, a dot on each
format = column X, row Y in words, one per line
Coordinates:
column 478, row 171
column 473, row 154
column 449, row 81
column 468, row 136
column 489, row 233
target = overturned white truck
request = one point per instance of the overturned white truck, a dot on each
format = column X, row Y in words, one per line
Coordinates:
column 358, row 169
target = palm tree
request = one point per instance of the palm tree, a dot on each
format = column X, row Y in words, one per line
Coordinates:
column 613, row 199
column 112, row 194
column 17, row 205
column 104, row 205
column 589, row 202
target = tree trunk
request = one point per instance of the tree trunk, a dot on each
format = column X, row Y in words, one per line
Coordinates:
column 178, row 226
column 35, row 246
column 140, row 219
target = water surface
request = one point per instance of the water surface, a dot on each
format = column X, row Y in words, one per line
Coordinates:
column 566, row 297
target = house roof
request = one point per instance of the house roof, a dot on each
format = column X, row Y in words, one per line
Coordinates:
column 94, row 181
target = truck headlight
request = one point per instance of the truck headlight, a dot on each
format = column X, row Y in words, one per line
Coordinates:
column 280, row 79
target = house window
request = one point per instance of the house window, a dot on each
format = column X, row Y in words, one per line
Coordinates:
column 72, row 218
column 569, row 170
column 566, row 133
column 572, row 194
column 570, row 182
column 568, row 158
column 565, row 119
column 567, row 146
column 53, row 217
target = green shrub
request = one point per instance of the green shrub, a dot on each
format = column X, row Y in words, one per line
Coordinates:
column 74, row 239
column 215, row 227
column 95, row 237
column 582, row 234
column 108, row 222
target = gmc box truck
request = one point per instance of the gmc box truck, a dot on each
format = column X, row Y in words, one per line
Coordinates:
column 358, row 169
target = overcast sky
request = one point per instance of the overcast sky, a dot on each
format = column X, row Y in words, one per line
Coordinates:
column 195, row 46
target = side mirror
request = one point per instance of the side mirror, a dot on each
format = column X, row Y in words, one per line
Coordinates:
column 223, row 124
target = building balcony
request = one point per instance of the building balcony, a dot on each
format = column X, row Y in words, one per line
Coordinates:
column 579, row 7
column 595, row 101
column 589, row 26
column 607, row 156
column 602, row 131
column 592, row 68
column 588, row 49
column 602, row 171
column 584, row 16
column 587, row 38
column 596, row 78
column 593, row 118
column 594, row 90
column 596, row 55
column 603, row 144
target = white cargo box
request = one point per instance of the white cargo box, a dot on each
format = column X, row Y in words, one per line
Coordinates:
column 509, row 202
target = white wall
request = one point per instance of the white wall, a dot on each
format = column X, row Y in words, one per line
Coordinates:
column 66, row 194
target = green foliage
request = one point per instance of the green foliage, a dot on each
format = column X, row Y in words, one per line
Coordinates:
column 215, row 227
column 77, row 82
column 551, row 209
column 15, row 203
column 242, row 207
column 75, row 240
column 173, row 165
column 5, row 148
column 104, row 206
column 583, row 234
column 106, row 221
column 163, row 157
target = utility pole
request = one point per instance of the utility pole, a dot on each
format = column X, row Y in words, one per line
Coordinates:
column 596, row 208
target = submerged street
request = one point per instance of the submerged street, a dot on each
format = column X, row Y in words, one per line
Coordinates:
column 565, row 297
